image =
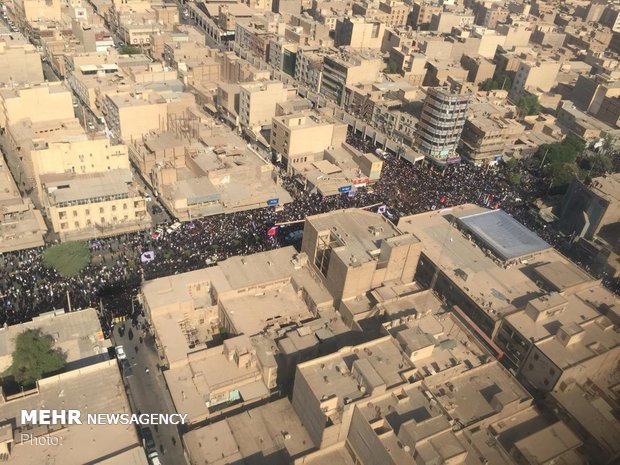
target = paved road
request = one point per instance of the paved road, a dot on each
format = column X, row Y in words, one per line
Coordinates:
column 148, row 391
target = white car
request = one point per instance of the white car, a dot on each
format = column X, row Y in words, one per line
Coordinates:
column 173, row 227
column 154, row 458
column 120, row 353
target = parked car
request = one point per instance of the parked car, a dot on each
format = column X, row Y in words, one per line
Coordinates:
column 149, row 442
column 120, row 353
column 154, row 458
column 173, row 227
column 159, row 232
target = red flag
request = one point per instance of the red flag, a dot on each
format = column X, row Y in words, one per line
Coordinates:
column 442, row 199
column 272, row 231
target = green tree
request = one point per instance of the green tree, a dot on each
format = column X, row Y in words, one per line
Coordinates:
column 392, row 68
column 34, row 356
column 561, row 174
column 566, row 151
column 528, row 105
column 513, row 174
column 597, row 165
column 501, row 82
column 129, row 50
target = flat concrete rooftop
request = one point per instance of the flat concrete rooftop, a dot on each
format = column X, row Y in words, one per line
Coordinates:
column 78, row 334
column 81, row 389
column 358, row 233
column 498, row 290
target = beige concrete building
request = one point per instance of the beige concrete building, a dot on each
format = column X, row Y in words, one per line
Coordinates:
column 422, row 13
column 133, row 115
column 349, row 67
column 447, row 255
column 38, row 10
column 327, row 389
column 81, row 389
column 359, row 32
column 314, row 151
column 425, row 391
column 257, row 103
column 585, row 126
column 446, row 20
column 83, row 183
column 486, row 139
column 19, row 64
column 517, row 34
column 21, row 224
column 309, row 67
column 78, row 334
column 534, row 75
column 586, row 405
column 479, row 69
column 300, row 134
column 214, row 379
column 94, row 205
column 353, row 415
column 362, row 252
column 391, row 13
column 206, row 170
column 272, row 432
column 40, row 103
column 91, row 84
column 251, row 298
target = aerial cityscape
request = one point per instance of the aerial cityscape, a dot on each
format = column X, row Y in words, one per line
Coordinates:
column 310, row 232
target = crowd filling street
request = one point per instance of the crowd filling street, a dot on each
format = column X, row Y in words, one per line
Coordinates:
column 28, row 288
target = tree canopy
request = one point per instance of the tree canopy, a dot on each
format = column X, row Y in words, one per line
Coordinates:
column 392, row 68
column 528, row 105
column 559, row 161
column 561, row 152
column 129, row 50
column 35, row 356
column 513, row 171
column 501, row 82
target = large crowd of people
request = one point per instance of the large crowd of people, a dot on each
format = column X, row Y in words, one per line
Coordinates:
column 109, row 282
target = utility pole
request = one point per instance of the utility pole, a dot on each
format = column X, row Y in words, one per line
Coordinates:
column 544, row 157
column 69, row 301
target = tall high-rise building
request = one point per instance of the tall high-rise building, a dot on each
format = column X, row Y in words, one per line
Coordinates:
column 440, row 126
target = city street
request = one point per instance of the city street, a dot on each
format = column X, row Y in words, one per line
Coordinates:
column 147, row 390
